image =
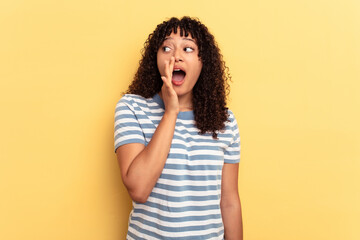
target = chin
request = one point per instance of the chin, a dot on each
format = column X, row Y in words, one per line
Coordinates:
column 180, row 93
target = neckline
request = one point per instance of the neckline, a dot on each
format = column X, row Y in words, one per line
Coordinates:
column 184, row 114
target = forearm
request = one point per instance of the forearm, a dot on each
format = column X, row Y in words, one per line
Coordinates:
column 232, row 219
column 147, row 166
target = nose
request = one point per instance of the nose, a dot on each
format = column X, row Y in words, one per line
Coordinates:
column 178, row 55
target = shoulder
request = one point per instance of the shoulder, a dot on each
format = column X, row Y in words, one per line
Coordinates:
column 133, row 101
column 231, row 122
column 231, row 130
column 231, row 115
column 130, row 99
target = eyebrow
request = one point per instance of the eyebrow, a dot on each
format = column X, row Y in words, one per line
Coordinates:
column 170, row 38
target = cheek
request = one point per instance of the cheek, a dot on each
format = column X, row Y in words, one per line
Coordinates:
column 160, row 60
column 198, row 69
column 197, row 65
column 160, row 64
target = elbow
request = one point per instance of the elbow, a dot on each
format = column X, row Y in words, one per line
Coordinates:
column 137, row 191
column 138, row 196
column 138, row 199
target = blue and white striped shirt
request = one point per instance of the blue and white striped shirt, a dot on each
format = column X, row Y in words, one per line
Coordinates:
column 185, row 202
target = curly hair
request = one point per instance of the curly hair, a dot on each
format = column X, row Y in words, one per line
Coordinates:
column 211, row 89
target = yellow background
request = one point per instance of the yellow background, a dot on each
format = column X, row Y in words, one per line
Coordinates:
column 295, row 67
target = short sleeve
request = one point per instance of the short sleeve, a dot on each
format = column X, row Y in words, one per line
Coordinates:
column 232, row 152
column 126, row 128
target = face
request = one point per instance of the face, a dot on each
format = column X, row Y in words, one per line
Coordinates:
column 187, row 67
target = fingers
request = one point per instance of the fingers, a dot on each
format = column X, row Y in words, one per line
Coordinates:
column 168, row 93
column 169, row 67
column 165, row 80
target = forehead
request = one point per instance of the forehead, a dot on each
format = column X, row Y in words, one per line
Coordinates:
column 177, row 35
column 178, row 38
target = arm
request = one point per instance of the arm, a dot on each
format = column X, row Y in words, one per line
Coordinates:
column 230, row 203
column 141, row 166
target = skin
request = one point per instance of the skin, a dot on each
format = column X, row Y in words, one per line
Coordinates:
column 185, row 52
column 230, row 203
column 141, row 166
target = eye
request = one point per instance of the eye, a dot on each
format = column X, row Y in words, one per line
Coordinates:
column 188, row 49
column 166, row 49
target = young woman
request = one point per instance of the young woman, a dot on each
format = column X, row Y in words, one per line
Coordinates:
column 177, row 144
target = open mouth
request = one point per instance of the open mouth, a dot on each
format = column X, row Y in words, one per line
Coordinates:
column 178, row 76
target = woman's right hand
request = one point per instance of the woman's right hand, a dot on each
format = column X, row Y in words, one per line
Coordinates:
column 141, row 166
column 168, row 93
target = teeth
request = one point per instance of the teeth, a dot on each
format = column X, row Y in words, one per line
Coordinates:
column 177, row 70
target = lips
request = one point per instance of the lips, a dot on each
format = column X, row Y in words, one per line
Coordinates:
column 178, row 76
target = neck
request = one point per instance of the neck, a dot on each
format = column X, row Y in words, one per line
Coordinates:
column 185, row 102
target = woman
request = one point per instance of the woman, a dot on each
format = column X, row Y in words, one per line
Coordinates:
column 177, row 144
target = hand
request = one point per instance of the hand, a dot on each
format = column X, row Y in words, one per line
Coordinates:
column 168, row 93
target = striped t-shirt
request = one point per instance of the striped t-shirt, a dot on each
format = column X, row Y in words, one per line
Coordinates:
column 185, row 202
